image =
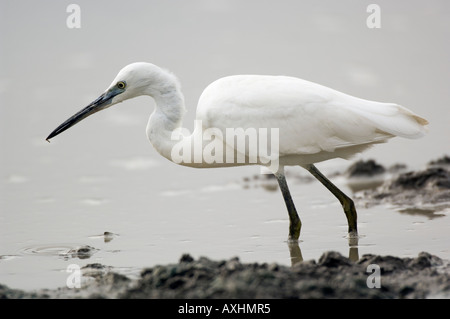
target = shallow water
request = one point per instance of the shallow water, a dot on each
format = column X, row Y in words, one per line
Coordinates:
column 104, row 176
column 199, row 214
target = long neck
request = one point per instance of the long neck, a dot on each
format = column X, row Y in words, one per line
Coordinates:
column 168, row 115
column 165, row 132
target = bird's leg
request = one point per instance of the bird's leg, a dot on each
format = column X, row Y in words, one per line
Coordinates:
column 346, row 202
column 294, row 221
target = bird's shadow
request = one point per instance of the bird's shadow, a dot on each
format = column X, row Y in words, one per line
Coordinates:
column 296, row 253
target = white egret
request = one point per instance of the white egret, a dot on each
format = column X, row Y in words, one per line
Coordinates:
column 315, row 123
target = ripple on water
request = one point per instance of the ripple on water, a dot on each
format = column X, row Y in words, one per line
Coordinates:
column 65, row 251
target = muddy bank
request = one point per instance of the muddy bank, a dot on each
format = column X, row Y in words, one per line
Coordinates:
column 332, row 276
column 424, row 190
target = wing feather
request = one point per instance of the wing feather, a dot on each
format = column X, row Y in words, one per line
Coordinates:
column 311, row 118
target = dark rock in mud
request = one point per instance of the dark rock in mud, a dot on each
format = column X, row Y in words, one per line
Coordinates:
column 445, row 160
column 365, row 168
column 82, row 252
column 333, row 276
column 333, row 259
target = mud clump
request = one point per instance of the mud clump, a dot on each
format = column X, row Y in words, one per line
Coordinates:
column 82, row 252
column 443, row 161
column 365, row 168
column 432, row 178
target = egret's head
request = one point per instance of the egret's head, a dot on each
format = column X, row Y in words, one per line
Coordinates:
column 142, row 78
column 133, row 80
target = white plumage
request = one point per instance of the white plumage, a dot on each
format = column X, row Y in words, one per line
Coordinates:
column 315, row 123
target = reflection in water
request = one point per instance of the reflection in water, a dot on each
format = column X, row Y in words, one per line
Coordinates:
column 364, row 183
column 265, row 181
column 296, row 253
column 430, row 213
column 107, row 236
column 353, row 253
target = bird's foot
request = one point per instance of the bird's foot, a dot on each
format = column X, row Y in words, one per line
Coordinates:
column 353, row 238
column 353, row 234
column 292, row 241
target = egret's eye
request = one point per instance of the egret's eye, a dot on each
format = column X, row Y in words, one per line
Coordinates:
column 121, row 85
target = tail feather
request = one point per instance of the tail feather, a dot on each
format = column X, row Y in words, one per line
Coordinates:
column 406, row 124
column 393, row 119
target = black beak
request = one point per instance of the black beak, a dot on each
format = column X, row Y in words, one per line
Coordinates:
column 102, row 102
